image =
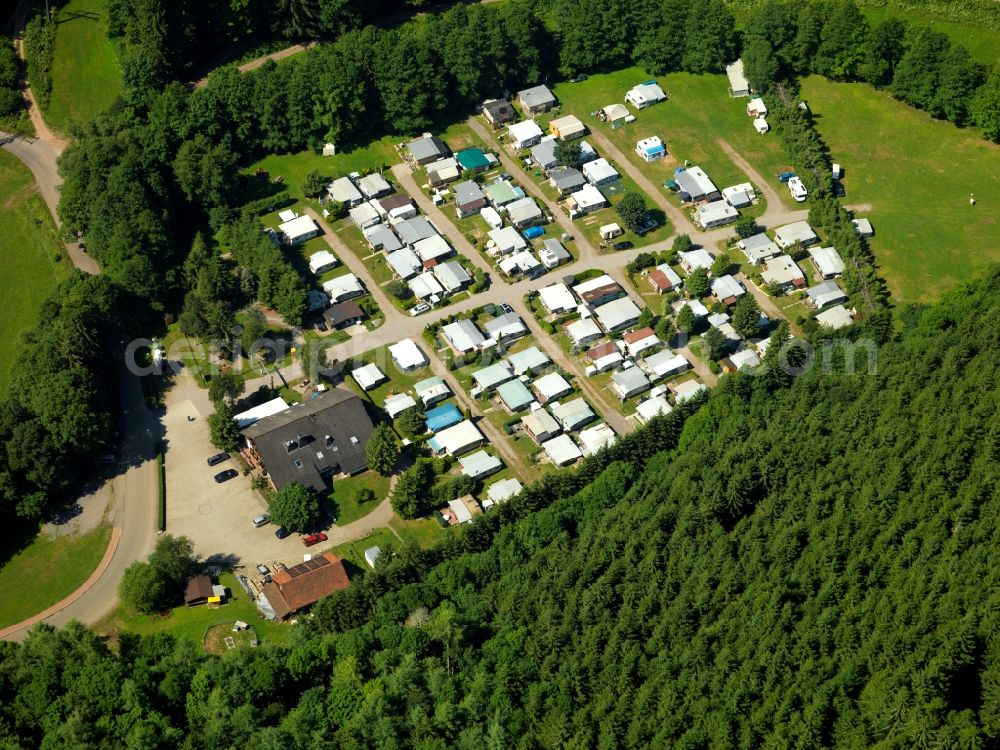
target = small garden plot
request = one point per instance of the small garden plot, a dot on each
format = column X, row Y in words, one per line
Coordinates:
column 225, row 637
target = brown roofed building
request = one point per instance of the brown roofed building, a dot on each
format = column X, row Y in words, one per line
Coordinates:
column 603, row 294
column 601, row 350
column 199, row 589
column 391, row 202
column 310, row 442
column 299, row 586
column 659, row 281
column 639, row 335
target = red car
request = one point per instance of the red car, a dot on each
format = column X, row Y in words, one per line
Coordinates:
column 312, row 539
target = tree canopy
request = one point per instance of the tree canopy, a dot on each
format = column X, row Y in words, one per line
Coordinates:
column 158, row 584
column 382, row 450
column 294, row 506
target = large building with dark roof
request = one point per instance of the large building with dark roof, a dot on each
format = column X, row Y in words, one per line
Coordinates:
column 311, row 442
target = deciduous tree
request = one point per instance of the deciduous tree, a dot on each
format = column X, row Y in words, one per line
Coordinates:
column 223, row 432
column 567, row 153
column 294, row 506
column 226, row 385
column 746, row 226
column 685, row 319
column 985, row 107
column 632, row 210
column 715, row 342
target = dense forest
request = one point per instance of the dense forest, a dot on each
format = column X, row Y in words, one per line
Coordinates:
column 804, row 566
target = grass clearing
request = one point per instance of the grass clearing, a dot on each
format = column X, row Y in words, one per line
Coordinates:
column 354, row 552
column 33, row 259
column 345, row 494
column 293, row 168
column 424, row 532
column 86, row 77
column 697, row 113
column 194, row 622
column 983, row 43
column 56, row 568
column 900, row 160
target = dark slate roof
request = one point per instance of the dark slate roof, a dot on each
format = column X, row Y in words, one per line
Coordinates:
column 428, row 147
column 499, row 109
column 395, row 201
column 567, row 178
column 342, row 312
column 324, row 435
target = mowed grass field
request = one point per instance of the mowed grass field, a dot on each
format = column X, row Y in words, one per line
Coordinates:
column 193, row 622
column 28, row 253
column 918, row 174
column 86, row 77
column 55, row 567
column 697, row 114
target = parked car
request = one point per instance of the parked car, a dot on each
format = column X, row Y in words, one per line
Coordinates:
column 785, row 176
column 225, row 476
column 578, row 78
column 282, row 532
column 626, row 245
column 506, row 308
column 218, row 458
column 312, row 539
column 648, row 225
column 419, row 309
column 321, row 325
column 260, row 520
column 263, row 569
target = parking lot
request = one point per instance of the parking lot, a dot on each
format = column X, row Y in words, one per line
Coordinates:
column 216, row 517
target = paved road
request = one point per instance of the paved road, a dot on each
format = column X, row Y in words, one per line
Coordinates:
column 40, row 157
column 133, row 512
column 515, row 168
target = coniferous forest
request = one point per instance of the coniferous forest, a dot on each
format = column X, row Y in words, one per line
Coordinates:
column 805, row 564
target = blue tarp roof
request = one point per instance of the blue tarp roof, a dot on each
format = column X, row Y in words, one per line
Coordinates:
column 443, row 416
column 532, row 232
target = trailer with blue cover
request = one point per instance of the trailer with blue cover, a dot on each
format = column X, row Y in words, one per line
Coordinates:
column 533, row 232
column 442, row 417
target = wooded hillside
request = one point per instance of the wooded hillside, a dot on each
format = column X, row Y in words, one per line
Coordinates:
column 812, row 566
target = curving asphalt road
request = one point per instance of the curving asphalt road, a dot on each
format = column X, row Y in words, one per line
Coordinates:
column 132, row 514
